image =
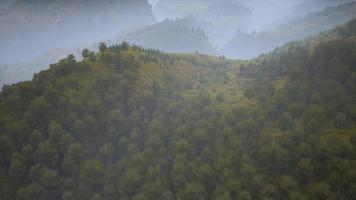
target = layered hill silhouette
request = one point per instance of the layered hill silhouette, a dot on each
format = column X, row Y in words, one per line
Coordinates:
column 28, row 48
column 249, row 45
column 29, row 28
column 166, row 36
column 174, row 36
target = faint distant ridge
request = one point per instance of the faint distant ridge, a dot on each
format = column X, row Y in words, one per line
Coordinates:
column 249, row 45
column 177, row 36
column 27, row 28
column 219, row 19
column 309, row 6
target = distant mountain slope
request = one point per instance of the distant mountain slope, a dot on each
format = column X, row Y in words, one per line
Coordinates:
column 219, row 19
column 180, row 35
column 166, row 36
column 28, row 28
column 23, row 71
column 245, row 45
column 308, row 6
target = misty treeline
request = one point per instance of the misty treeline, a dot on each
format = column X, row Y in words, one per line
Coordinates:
column 246, row 45
column 37, row 33
column 30, row 28
column 134, row 123
column 174, row 36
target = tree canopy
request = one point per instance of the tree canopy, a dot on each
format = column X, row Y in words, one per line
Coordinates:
column 134, row 123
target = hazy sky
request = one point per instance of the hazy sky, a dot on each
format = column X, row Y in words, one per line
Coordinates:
column 153, row 2
column 225, row 24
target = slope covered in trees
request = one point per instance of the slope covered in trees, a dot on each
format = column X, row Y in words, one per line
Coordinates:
column 24, row 71
column 133, row 123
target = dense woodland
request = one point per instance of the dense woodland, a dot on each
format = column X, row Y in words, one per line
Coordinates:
column 133, row 123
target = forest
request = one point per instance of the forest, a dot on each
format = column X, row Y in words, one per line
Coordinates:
column 128, row 122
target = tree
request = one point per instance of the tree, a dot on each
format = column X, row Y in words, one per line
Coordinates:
column 85, row 53
column 341, row 121
column 286, row 122
column 91, row 178
column 71, row 59
column 18, row 168
column 102, row 47
column 124, row 46
column 46, row 154
column 106, row 153
column 31, row 192
column 96, row 197
column 130, row 182
column 192, row 191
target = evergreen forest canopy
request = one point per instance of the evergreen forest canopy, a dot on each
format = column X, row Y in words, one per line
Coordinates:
column 134, row 123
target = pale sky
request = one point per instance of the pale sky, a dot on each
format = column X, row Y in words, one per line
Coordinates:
column 153, row 2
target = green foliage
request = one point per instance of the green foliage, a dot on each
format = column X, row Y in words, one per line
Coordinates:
column 134, row 123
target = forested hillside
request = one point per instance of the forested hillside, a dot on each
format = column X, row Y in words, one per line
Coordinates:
column 133, row 123
column 23, row 71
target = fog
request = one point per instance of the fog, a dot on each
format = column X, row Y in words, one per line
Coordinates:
column 4, row 4
column 260, row 13
column 31, row 31
column 28, row 28
column 236, row 16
